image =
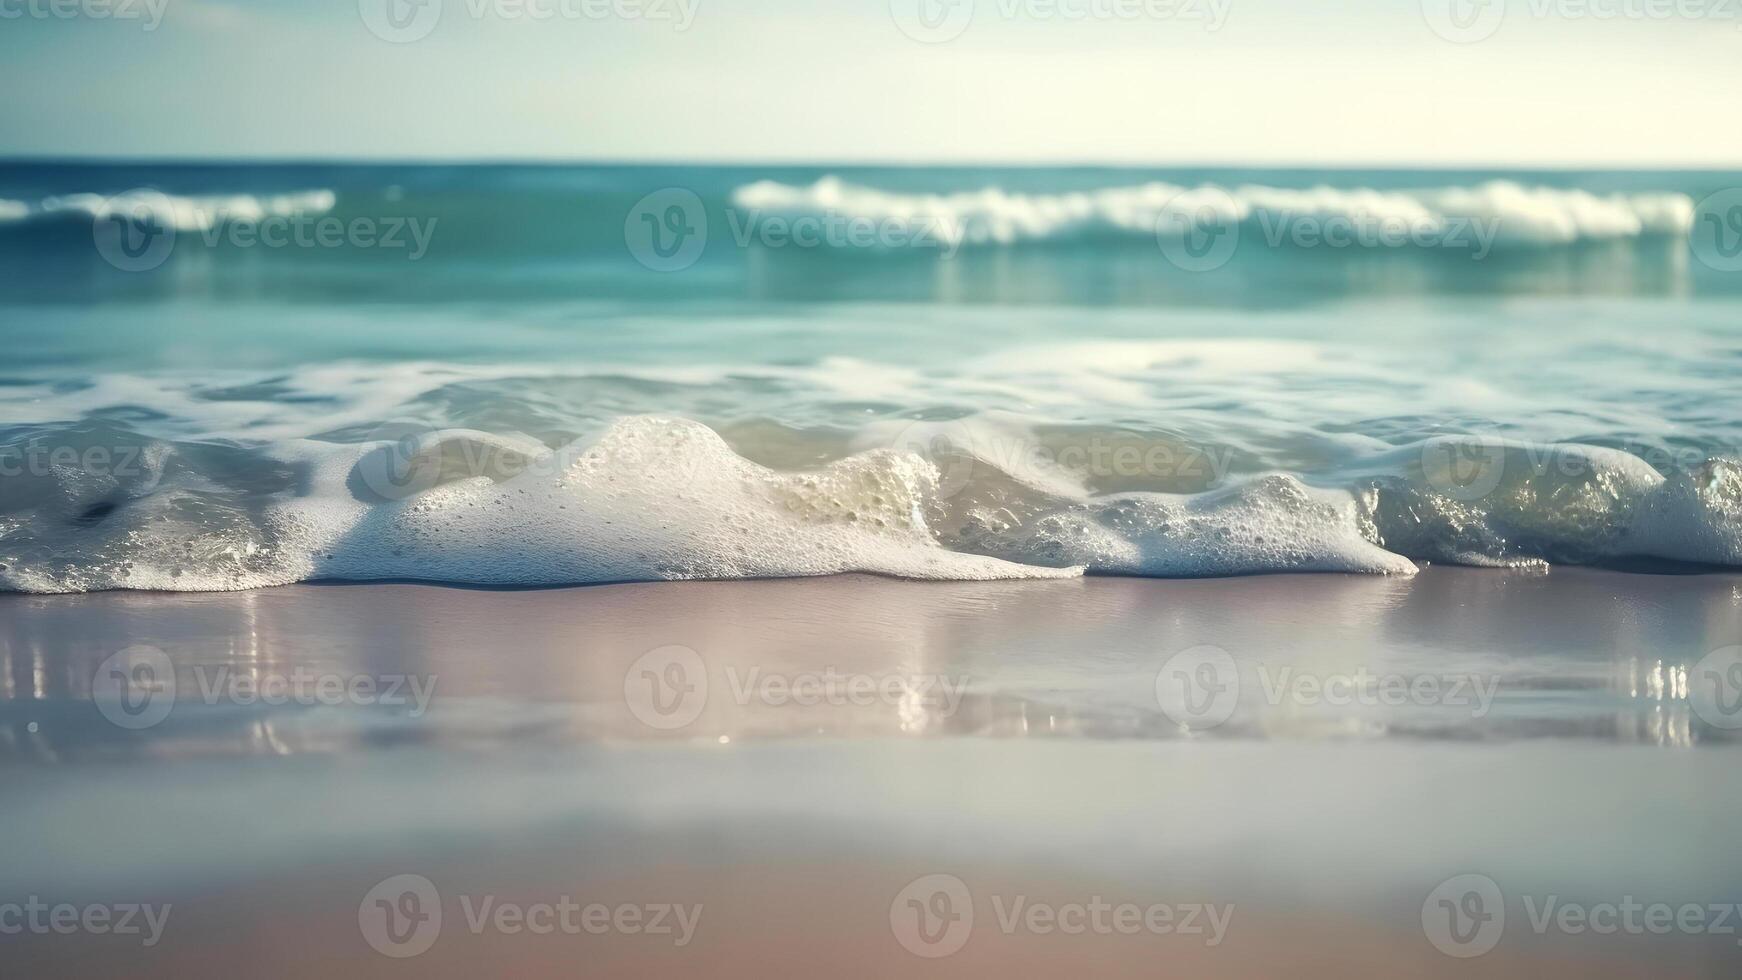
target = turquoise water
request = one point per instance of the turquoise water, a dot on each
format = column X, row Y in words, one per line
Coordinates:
column 230, row 376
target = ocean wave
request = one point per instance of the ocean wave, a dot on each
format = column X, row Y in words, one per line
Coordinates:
column 1497, row 212
column 649, row 499
column 661, row 498
column 179, row 213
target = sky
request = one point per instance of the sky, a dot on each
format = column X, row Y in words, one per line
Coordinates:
column 1278, row 82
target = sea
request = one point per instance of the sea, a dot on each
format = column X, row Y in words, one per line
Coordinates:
column 226, row 376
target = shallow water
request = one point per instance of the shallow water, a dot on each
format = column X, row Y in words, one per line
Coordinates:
column 948, row 373
column 1588, row 762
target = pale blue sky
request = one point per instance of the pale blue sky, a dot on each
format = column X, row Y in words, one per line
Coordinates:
column 1280, row 82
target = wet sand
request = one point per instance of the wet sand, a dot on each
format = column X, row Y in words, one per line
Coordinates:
column 1019, row 748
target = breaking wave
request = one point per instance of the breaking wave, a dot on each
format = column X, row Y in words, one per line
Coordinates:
column 179, row 213
column 1513, row 214
column 659, row 498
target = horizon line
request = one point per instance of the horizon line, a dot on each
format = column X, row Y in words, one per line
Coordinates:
column 168, row 159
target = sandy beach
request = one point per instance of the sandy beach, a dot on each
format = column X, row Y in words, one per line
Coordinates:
column 806, row 752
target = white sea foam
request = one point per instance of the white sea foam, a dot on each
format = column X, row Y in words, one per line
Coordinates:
column 1273, row 524
column 650, row 499
column 246, row 480
column 190, row 213
column 1694, row 516
column 1521, row 215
